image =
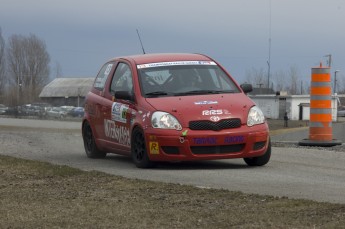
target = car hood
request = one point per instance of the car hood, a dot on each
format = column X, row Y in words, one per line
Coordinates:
column 204, row 107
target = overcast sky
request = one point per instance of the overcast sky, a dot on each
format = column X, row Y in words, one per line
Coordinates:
column 81, row 35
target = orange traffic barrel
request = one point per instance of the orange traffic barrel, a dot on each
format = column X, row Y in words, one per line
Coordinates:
column 320, row 122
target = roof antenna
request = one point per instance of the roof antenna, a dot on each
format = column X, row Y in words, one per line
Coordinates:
column 141, row 42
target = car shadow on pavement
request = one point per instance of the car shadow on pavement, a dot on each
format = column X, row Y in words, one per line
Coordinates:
column 118, row 158
column 202, row 165
column 183, row 165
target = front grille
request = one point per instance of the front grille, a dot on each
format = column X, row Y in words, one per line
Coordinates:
column 224, row 149
column 259, row 145
column 209, row 125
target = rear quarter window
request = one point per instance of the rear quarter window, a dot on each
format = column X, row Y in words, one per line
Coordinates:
column 102, row 76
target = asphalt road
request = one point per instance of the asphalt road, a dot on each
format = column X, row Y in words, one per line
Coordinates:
column 292, row 172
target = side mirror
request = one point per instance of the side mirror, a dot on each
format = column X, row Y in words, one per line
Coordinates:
column 125, row 95
column 247, row 88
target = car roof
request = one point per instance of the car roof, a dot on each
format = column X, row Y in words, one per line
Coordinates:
column 165, row 57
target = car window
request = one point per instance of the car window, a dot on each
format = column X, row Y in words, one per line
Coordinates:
column 220, row 80
column 169, row 79
column 122, row 79
column 102, row 76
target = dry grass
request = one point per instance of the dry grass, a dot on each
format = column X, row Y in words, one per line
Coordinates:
column 41, row 195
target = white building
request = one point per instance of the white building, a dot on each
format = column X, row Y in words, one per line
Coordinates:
column 296, row 106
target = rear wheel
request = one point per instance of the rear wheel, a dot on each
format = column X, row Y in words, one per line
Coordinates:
column 90, row 146
column 139, row 153
column 262, row 160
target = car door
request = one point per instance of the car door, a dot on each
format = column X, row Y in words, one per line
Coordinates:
column 96, row 101
column 117, row 122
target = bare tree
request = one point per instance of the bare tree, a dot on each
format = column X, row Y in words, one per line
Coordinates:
column 293, row 76
column 290, row 81
column 280, row 80
column 28, row 65
column 2, row 65
column 57, row 70
column 257, row 77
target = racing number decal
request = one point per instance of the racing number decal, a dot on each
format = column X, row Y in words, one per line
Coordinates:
column 154, row 148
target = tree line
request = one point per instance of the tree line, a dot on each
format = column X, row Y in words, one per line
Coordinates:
column 290, row 81
column 24, row 69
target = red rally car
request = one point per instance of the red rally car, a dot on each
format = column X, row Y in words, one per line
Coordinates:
column 172, row 107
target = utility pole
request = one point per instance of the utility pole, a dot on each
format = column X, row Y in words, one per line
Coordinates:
column 269, row 48
column 329, row 59
column 335, row 81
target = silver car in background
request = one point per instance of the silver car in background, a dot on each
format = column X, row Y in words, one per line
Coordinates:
column 56, row 112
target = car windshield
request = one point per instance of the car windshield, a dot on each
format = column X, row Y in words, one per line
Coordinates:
column 184, row 78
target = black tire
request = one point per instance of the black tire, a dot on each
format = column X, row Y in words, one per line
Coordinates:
column 90, row 146
column 139, row 152
column 260, row 161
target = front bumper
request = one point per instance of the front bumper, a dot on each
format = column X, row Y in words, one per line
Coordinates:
column 189, row 145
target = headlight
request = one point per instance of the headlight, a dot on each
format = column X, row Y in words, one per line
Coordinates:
column 255, row 116
column 165, row 120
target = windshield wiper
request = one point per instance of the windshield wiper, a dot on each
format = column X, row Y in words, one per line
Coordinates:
column 156, row 93
column 201, row 92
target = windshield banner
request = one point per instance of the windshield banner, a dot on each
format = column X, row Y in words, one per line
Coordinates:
column 163, row 64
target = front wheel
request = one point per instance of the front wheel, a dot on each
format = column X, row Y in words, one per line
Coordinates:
column 139, row 153
column 90, row 146
column 261, row 160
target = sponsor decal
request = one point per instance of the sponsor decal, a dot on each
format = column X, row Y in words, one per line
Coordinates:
column 212, row 112
column 119, row 112
column 100, row 80
column 234, row 139
column 154, row 147
column 205, row 102
column 147, row 115
column 226, row 111
column 108, row 69
column 175, row 63
column 184, row 133
column 204, row 141
column 116, row 132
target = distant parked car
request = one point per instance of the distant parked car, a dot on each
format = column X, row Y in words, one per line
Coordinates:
column 33, row 110
column 12, row 110
column 77, row 112
column 25, row 109
column 67, row 109
column 3, row 109
column 57, row 112
column 42, row 108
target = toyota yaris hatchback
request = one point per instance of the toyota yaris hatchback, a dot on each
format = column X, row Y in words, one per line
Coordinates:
column 172, row 107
